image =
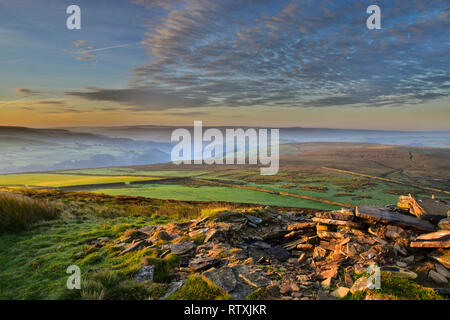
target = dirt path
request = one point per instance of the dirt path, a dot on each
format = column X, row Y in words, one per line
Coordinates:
column 387, row 180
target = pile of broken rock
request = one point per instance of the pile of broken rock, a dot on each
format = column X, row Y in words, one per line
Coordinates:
column 303, row 256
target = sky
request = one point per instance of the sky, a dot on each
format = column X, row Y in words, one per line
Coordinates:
column 307, row 63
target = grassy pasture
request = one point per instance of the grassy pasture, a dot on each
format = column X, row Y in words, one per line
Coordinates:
column 318, row 184
column 215, row 193
column 133, row 172
column 62, row 180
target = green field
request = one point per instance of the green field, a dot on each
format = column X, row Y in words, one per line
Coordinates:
column 133, row 172
column 213, row 186
column 370, row 196
column 213, row 193
column 62, row 180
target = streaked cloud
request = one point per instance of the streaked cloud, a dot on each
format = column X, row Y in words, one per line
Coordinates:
column 206, row 53
column 85, row 51
column 139, row 98
column 52, row 102
column 26, row 92
column 288, row 62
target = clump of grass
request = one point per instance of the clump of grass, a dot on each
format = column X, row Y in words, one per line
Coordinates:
column 265, row 293
column 199, row 239
column 211, row 212
column 181, row 210
column 107, row 284
column 393, row 288
column 197, row 287
column 18, row 213
column 162, row 266
column 314, row 188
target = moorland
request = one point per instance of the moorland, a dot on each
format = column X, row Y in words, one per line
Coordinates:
column 53, row 219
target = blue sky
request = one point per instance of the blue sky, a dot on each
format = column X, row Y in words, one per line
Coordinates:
column 305, row 62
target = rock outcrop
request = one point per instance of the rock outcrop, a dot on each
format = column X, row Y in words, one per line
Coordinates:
column 303, row 255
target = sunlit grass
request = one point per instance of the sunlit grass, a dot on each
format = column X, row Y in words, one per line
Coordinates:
column 18, row 213
column 62, row 180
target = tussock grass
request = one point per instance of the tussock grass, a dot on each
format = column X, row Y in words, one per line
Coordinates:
column 107, row 284
column 394, row 288
column 211, row 212
column 197, row 287
column 18, row 213
column 162, row 266
column 265, row 293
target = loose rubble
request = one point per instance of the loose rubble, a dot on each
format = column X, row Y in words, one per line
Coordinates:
column 307, row 256
column 145, row 274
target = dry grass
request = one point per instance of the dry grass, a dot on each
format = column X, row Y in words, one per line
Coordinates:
column 18, row 213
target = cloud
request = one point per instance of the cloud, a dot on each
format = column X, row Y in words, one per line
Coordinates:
column 165, row 4
column 52, row 102
column 86, row 51
column 80, row 43
column 65, row 110
column 26, row 92
column 205, row 53
column 186, row 114
column 139, row 98
column 85, row 57
column 110, row 47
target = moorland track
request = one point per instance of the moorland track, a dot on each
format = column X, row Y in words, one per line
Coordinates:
column 387, row 180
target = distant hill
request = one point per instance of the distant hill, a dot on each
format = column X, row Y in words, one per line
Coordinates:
column 414, row 165
column 28, row 150
column 419, row 165
column 439, row 139
column 51, row 135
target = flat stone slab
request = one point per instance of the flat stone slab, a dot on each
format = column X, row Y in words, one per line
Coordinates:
column 135, row 246
column 261, row 245
column 442, row 256
column 278, row 252
column 197, row 232
column 203, row 263
column 182, row 248
column 359, row 285
column 301, row 226
column 173, row 286
column 442, row 270
column 384, row 215
column 254, row 220
column 340, row 292
column 223, row 278
column 254, row 278
column 148, row 230
column 436, row 277
column 398, row 272
column 242, row 290
column 444, row 224
column 337, row 222
column 439, row 239
column 330, row 235
column 429, row 209
column 145, row 274
column 344, row 214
